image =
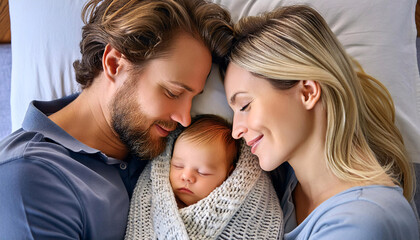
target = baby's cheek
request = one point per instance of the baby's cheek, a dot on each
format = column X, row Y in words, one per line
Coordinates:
column 171, row 177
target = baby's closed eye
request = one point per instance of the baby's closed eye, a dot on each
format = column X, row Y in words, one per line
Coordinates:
column 177, row 166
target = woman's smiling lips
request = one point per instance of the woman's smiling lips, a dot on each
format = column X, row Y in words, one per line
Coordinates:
column 254, row 143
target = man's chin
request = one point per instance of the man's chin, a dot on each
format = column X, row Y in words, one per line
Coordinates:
column 151, row 148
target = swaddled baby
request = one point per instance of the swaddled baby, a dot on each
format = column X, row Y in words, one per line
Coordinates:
column 204, row 189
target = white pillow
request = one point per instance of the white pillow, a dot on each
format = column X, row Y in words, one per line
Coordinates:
column 380, row 34
column 45, row 43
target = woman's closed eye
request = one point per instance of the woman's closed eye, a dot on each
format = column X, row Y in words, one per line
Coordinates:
column 244, row 108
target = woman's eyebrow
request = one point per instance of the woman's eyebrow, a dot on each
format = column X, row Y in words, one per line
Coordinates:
column 233, row 98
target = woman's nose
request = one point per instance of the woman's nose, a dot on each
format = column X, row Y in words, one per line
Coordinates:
column 238, row 128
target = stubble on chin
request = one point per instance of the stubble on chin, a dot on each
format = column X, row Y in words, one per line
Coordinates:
column 135, row 132
column 133, row 126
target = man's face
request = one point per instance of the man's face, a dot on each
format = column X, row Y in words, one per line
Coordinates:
column 151, row 103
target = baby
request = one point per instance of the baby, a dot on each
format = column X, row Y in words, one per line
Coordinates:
column 203, row 157
column 205, row 185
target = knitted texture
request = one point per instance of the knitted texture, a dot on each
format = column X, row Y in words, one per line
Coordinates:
column 244, row 206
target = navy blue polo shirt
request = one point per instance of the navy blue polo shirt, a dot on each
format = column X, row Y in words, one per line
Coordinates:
column 54, row 187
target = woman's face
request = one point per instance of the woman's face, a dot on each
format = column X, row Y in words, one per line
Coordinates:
column 274, row 122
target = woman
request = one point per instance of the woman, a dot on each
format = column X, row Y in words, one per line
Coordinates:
column 298, row 97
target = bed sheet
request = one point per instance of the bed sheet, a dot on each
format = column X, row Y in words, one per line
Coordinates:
column 5, row 76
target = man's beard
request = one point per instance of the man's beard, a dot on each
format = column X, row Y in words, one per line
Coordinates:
column 133, row 126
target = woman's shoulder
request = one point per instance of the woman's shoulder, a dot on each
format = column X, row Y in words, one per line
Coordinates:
column 379, row 212
column 382, row 199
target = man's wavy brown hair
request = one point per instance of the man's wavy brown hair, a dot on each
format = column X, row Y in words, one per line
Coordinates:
column 145, row 29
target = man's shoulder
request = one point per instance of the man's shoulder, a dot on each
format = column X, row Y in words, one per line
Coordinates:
column 22, row 145
column 33, row 188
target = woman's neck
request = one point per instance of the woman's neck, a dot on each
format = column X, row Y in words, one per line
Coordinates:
column 313, row 190
column 316, row 182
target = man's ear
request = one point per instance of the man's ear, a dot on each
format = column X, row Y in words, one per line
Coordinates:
column 111, row 61
column 310, row 93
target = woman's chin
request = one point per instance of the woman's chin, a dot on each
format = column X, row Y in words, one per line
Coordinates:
column 266, row 166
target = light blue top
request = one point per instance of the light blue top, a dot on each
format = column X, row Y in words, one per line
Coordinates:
column 369, row 212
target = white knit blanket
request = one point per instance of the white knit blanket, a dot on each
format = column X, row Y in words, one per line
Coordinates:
column 245, row 206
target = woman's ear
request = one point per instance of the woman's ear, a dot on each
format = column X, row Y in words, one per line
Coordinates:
column 310, row 93
column 111, row 61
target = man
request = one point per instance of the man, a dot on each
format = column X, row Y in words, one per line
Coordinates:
column 70, row 171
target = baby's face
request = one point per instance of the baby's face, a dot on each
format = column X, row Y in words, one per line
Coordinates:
column 196, row 170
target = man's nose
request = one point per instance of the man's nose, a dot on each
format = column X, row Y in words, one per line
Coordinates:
column 182, row 113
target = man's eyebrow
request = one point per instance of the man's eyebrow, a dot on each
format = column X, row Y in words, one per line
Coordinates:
column 184, row 86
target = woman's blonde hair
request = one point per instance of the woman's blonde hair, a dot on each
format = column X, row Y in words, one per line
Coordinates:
column 295, row 43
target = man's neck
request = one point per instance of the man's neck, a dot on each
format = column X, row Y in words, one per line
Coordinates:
column 86, row 120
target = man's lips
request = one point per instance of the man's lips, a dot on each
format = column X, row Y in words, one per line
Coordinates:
column 162, row 130
column 185, row 190
column 254, row 143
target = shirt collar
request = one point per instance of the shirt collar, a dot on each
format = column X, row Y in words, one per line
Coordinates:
column 36, row 120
